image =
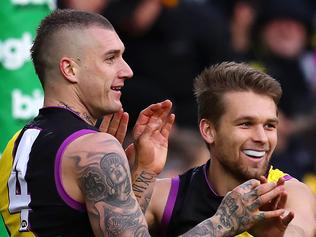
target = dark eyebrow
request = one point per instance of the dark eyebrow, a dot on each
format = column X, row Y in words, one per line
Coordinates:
column 112, row 51
column 276, row 121
column 249, row 118
column 115, row 51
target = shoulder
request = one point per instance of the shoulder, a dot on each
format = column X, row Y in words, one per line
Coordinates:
column 91, row 150
column 91, row 156
column 95, row 142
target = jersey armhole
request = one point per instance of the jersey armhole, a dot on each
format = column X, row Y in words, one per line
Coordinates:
column 57, row 170
column 170, row 204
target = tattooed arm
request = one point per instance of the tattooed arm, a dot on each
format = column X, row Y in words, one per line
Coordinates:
column 238, row 211
column 148, row 154
column 103, row 182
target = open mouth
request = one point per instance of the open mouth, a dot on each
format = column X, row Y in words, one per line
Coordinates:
column 116, row 88
column 254, row 153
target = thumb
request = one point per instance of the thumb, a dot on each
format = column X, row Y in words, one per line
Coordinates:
column 287, row 218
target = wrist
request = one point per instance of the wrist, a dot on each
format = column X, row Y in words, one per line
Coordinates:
column 221, row 230
column 151, row 167
column 143, row 173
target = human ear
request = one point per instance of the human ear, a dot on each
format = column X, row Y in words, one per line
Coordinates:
column 207, row 131
column 68, row 69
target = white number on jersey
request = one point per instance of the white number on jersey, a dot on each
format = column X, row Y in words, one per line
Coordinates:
column 19, row 199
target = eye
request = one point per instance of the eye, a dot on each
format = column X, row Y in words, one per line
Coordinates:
column 246, row 124
column 110, row 59
column 270, row 126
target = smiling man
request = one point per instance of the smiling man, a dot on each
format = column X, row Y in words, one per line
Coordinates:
column 238, row 119
column 61, row 176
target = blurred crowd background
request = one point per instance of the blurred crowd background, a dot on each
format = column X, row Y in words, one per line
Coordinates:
column 168, row 42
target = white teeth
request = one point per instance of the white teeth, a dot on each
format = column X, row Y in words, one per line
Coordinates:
column 254, row 153
column 116, row 88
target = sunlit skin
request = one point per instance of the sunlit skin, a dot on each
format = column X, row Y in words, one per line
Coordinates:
column 245, row 138
column 102, row 72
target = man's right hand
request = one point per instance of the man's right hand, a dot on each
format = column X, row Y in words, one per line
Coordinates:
column 276, row 226
column 239, row 210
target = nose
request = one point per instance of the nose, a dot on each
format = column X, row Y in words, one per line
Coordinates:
column 260, row 135
column 125, row 72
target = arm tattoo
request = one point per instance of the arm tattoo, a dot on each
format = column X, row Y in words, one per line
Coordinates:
column 107, row 188
column 205, row 228
column 94, row 185
column 117, row 223
column 143, row 187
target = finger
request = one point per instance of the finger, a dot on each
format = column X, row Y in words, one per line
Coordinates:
column 146, row 113
column 287, row 218
column 263, row 179
column 281, row 181
column 281, row 201
column 105, row 123
column 166, row 107
column 157, row 109
column 143, row 119
column 265, row 187
column 247, row 186
column 154, row 125
column 115, row 122
column 271, row 214
column 166, row 129
column 269, row 196
column 122, row 129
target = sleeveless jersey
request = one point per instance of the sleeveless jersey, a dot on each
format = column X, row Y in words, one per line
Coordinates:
column 33, row 200
column 192, row 200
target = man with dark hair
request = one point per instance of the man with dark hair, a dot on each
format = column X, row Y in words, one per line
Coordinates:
column 61, row 176
column 238, row 118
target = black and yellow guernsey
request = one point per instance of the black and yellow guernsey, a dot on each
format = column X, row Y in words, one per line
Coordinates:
column 192, row 200
column 33, row 200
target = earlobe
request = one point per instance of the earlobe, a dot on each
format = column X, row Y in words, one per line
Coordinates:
column 68, row 69
column 207, row 131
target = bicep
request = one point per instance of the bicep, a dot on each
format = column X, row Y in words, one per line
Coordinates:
column 104, row 180
column 112, row 207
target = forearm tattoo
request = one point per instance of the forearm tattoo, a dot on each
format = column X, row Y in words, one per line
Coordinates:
column 205, row 228
column 143, row 187
column 107, row 187
column 119, row 223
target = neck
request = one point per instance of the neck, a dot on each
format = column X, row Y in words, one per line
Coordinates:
column 81, row 112
column 84, row 115
column 221, row 181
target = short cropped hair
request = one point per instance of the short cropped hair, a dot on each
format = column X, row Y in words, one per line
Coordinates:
column 58, row 21
column 215, row 81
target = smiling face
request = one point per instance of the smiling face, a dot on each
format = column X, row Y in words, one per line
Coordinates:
column 102, row 71
column 246, row 135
